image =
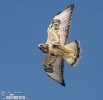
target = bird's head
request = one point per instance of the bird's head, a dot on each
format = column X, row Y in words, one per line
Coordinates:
column 44, row 47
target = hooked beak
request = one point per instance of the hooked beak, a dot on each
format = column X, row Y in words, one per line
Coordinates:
column 43, row 47
column 38, row 45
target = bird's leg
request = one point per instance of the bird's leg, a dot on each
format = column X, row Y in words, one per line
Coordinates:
column 55, row 44
column 63, row 49
column 58, row 46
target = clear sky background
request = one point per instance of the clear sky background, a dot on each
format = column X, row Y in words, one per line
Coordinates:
column 23, row 25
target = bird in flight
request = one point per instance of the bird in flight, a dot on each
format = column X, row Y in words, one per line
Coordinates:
column 57, row 49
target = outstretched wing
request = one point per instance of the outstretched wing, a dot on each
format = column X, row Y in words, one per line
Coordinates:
column 59, row 28
column 54, row 67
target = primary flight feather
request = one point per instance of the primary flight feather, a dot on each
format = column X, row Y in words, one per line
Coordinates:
column 56, row 48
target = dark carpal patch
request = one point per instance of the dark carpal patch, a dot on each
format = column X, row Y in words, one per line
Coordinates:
column 49, row 69
column 55, row 24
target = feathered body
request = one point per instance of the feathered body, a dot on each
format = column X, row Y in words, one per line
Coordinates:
column 56, row 48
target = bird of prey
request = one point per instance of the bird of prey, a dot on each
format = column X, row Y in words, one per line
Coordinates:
column 57, row 49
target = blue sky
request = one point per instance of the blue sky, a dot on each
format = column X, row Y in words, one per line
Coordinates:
column 23, row 25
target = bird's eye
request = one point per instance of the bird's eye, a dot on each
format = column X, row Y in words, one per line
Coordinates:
column 41, row 45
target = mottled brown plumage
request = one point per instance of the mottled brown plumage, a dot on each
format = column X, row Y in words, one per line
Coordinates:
column 56, row 48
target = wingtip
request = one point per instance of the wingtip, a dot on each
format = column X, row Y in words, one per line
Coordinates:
column 62, row 83
column 71, row 6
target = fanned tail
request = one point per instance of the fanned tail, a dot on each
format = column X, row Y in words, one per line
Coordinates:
column 74, row 53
